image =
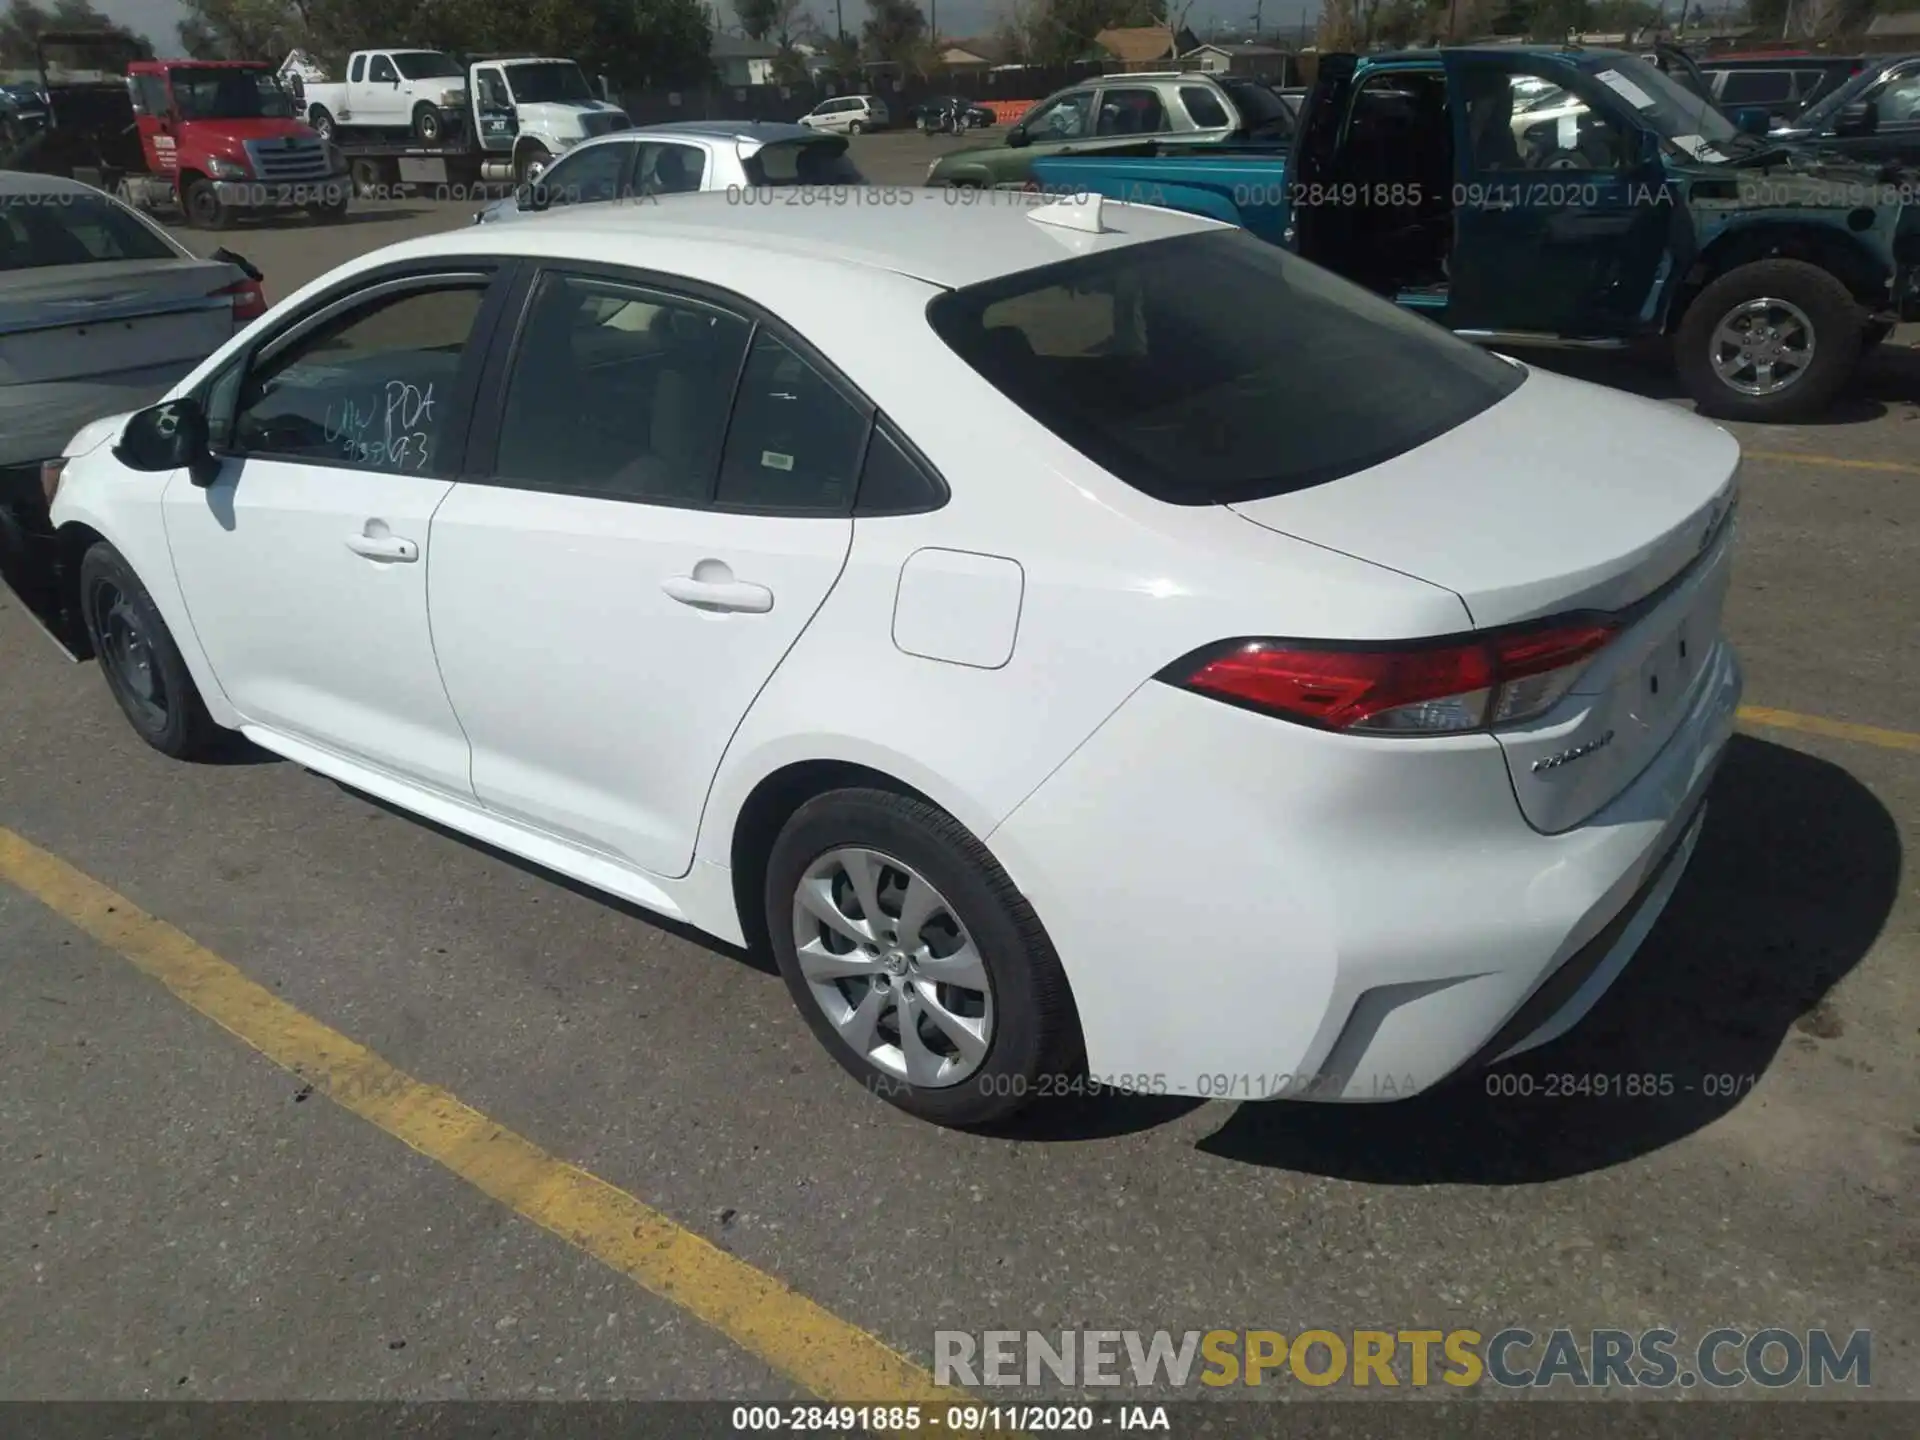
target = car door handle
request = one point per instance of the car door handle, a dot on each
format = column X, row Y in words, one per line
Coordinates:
column 390, row 548
column 719, row 594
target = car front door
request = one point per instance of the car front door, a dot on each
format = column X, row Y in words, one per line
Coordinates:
column 304, row 563
column 493, row 105
column 1562, row 217
column 631, row 554
column 380, row 101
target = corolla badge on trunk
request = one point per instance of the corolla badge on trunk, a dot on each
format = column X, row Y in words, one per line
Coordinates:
column 1578, row 752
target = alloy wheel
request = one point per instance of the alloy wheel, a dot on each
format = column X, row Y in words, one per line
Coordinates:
column 1762, row 346
column 893, row 968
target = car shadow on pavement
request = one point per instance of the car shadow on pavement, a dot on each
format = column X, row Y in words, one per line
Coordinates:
column 752, row 959
column 1888, row 378
column 1796, row 872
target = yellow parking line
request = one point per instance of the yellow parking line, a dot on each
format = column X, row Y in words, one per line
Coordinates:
column 1795, row 457
column 1835, row 729
column 815, row 1349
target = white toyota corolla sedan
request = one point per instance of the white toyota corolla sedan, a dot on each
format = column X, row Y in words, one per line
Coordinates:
column 1080, row 641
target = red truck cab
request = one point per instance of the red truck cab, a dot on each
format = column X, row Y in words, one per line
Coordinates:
column 219, row 139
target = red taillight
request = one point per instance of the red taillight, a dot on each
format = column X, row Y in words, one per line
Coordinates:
column 249, row 299
column 1436, row 688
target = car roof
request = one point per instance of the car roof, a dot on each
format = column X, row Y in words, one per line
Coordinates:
column 761, row 130
column 936, row 239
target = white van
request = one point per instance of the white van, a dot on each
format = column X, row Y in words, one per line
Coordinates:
column 848, row 114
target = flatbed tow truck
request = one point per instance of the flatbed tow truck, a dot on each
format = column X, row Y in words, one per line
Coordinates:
column 520, row 112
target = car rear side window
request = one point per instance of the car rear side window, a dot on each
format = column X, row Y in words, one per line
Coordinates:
column 822, row 161
column 1213, row 368
column 1203, row 107
column 620, row 392
column 795, row 442
column 37, row 231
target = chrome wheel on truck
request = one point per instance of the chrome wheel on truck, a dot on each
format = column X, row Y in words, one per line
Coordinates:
column 1771, row 340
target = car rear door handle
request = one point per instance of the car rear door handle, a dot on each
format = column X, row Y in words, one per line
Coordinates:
column 721, row 592
column 390, row 548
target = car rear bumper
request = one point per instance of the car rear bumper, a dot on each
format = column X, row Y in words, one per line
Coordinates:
column 1248, row 909
column 279, row 195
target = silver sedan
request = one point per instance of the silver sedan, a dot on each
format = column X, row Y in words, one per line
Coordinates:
column 681, row 158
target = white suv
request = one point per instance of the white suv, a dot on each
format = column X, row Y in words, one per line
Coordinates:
column 849, row 114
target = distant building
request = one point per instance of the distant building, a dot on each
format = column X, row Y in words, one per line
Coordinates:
column 740, row 61
column 1143, row 47
column 961, row 56
column 1238, row 58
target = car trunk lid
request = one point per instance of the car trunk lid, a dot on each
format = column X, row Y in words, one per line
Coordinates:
column 73, row 322
column 1563, row 498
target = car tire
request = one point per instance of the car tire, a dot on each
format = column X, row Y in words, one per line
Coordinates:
column 1024, row 1030
column 426, row 124
column 1800, row 297
column 143, row 666
column 205, row 209
column 320, row 121
column 854, row 127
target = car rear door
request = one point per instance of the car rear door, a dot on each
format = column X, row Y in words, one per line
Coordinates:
column 632, row 550
column 304, row 563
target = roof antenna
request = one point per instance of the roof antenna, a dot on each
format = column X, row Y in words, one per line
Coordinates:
column 1072, row 212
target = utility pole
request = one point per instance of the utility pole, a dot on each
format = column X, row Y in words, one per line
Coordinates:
column 839, row 23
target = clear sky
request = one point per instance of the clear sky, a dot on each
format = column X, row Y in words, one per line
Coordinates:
column 156, row 19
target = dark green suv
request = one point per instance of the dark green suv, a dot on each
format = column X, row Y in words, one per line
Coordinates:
column 1112, row 110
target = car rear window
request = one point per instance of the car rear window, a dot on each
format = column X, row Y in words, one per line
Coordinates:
column 37, row 231
column 1213, row 368
column 822, row 161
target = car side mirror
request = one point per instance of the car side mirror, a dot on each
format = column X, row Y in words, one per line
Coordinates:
column 1018, row 136
column 1862, row 117
column 1753, row 120
column 169, row 436
column 1650, row 154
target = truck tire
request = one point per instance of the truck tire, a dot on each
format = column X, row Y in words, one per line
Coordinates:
column 320, row 121
column 204, row 207
column 531, row 162
column 368, row 177
column 330, row 212
column 426, row 124
column 1741, row 330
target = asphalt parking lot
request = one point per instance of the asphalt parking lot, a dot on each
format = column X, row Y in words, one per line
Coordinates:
column 207, row 1190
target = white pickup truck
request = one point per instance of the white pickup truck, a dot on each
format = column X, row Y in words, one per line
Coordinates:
column 421, row 92
column 512, row 113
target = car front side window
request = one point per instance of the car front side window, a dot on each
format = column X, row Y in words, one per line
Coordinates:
column 587, row 176
column 383, row 71
column 1065, row 119
column 370, row 388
